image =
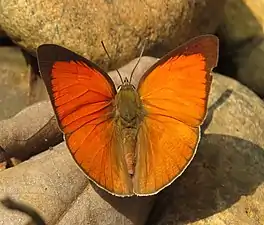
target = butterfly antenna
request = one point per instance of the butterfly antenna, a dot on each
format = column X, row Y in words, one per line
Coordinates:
column 111, row 60
column 140, row 56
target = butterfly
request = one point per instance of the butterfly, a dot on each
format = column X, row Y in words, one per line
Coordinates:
column 131, row 141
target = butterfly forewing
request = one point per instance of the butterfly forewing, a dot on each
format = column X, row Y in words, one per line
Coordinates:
column 174, row 93
column 82, row 96
column 173, row 96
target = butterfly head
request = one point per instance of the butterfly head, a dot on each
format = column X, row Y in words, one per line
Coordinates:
column 126, row 84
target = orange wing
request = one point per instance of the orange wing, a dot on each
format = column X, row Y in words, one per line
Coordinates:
column 174, row 93
column 82, row 96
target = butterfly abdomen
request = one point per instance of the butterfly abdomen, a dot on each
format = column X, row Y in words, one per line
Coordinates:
column 128, row 108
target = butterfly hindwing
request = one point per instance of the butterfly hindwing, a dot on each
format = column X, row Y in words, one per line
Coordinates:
column 174, row 93
column 82, row 96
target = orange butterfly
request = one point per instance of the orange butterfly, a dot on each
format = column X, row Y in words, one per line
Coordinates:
column 131, row 141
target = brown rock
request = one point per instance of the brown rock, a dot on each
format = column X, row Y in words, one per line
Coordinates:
column 247, row 35
column 2, row 34
column 14, row 82
column 242, row 19
column 15, row 90
column 122, row 25
column 250, row 66
column 29, row 132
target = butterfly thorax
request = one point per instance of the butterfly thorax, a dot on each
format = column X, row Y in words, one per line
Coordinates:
column 128, row 116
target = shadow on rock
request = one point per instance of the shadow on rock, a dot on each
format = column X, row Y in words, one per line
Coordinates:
column 224, row 169
column 136, row 209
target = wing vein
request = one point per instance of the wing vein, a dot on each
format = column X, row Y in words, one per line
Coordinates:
column 172, row 101
column 167, row 116
column 98, row 149
column 78, row 96
column 88, row 134
column 92, row 113
column 170, row 89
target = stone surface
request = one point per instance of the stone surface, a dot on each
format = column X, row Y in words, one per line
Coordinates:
column 245, row 38
column 122, row 25
column 250, row 66
column 53, row 185
column 2, row 34
column 15, row 90
column 236, row 29
column 225, row 182
column 14, row 84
